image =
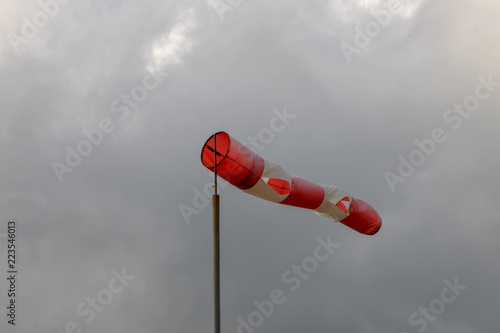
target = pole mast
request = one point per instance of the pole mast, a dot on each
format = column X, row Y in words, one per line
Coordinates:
column 216, row 245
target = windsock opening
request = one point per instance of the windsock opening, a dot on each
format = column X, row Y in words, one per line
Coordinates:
column 207, row 153
column 235, row 163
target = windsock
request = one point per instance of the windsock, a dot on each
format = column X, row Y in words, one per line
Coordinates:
column 249, row 172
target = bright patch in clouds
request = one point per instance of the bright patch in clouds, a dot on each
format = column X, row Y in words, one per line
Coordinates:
column 169, row 48
column 406, row 8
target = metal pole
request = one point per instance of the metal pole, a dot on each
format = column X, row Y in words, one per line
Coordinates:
column 215, row 163
column 215, row 209
column 215, row 218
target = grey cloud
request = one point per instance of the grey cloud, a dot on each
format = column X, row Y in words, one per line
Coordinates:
column 120, row 206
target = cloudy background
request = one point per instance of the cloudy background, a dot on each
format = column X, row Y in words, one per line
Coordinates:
column 227, row 66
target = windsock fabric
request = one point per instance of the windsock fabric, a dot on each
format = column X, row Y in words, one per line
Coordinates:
column 249, row 172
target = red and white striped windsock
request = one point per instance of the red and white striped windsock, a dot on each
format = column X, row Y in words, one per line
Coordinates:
column 249, row 172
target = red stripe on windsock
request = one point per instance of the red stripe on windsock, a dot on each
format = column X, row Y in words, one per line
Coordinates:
column 279, row 185
column 236, row 163
column 304, row 194
column 362, row 218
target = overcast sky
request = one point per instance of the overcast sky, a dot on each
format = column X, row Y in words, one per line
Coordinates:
column 105, row 107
